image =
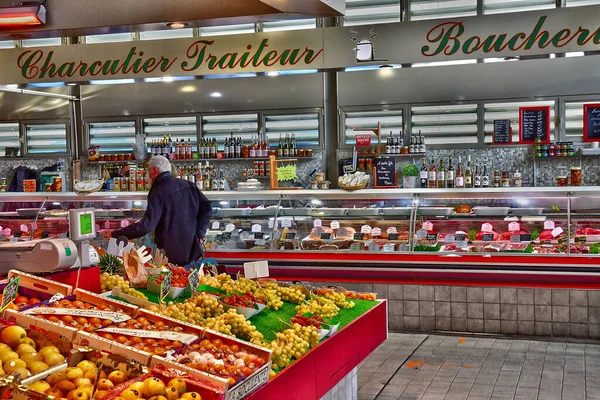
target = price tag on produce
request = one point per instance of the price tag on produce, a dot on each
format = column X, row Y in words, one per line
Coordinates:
column 359, row 236
column 256, row 269
column 391, row 229
column 549, row 225
column 258, row 235
column 124, row 223
column 513, row 227
column 393, row 236
column 459, row 237
column 557, row 232
column 366, row 229
column 580, row 240
column 563, row 240
column 106, row 224
column 290, row 236
column 317, row 223
column 376, row 232
column 229, row 227
column 487, row 227
column 24, row 228
column 461, row 244
column 488, row 237
column 256, row 228
column 334, row 225
column 449, row 239
column 428, row 226
column 9, row 294
column 421, row 233
column 271, row 223
column 286, row 223
column 165, row 287
column 325, row 236
column 194, row 280
column 216, row 225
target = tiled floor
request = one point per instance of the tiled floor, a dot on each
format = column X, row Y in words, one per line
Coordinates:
column 431, row 367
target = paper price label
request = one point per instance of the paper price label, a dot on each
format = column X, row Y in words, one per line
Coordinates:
column 335, row 225
column 317, row 223
column 428, row 226
column 124, row 223
column 271, row 223
column 449, row 239
column 286, row 223
column 376, row 232
column 216, row 225
column 107, row 224
column 165, row 287
column 557, row 231
column 9, row 294
column 461, row 244
column 194, row 279
column 229, row 227
column 421, row 233
column 487, row 227
column 256, row 228
column 75, row 312
column 182, row 337
column 391, row 229
column 24, row 228
column 366, row 229
column 514, row 226
column 549, row 225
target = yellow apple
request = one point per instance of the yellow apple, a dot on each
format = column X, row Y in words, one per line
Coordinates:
column 73, row 373
column 4, row 348
column 13, row 335
column 171, row 393
column 117, row 377
column 153, row 387
column 82, row 381
column 178, row 384
column 22, row 371
column 65, row 386
column 91, row 374
column 130, row 394
column 100, row 394
column 24, row 348
column 157, row 398
column 78, row 395
column 105, row 384
column 54, row 392
column 47, row 350
column 87, row 388
column 10, row 366
column 36, row 367
column 31, row 357
column 139, row 386
column 86, row 366
column 9, row 355
column 30, row 342
column 40, row 386
column 57, row 377
column 54, row 359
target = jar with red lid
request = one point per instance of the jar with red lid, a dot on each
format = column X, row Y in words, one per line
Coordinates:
column 361, row 164
column 369, row 164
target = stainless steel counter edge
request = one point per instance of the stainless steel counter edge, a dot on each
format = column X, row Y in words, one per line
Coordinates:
column 332, row 194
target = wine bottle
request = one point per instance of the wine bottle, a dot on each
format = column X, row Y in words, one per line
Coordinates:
column 423, row 173
column 450, row 175
column 432, row 175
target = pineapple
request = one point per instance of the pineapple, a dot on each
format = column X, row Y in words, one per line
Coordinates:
column 111, row 264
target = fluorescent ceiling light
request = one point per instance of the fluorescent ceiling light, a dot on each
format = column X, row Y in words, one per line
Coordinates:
column 168, row 79
column 112, row 81
column 216, row 94
column 26, row 15
column 272, row 73
column 177, row 25
column 299, row 72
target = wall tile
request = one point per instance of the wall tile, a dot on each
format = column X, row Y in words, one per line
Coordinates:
column 396, row 307
column 579, row 331
column 475, row 294
column 491, row 295
column 508, row 327
column 475, row 325
column 491, row 326
column 543, row 297
column 560, row 330
column 560, row 314
column 543, row 328
column 508, row 311
column 443, row 324
column 411, row 308
column 426, row 292
column 426, row 309
column 427, row 324
column 365, row 287
column 594, row 331
column 396, row 322
column 491, row 311
column 560, row 297
column 475, row 310
column 525, row 296
column 442, row 293
column 543, row 313
column 411, row 292
column 579, row 315
column 381, row 289
column 458, row 293
column 578, row 298
column 459, row 310
column 508, row 295
column 459, row 324
column 411, row 323
column 525, row 312
column 442, row 309
column 526, row 328
column 594, row 315
column 594, row 298
column 396, row 292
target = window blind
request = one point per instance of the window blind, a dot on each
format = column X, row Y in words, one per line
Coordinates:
column 451, row 124
column 511, row 111
column 178, row 127
column 305, row 127
column 364, row 12
column 290, row 25
column 167, row 34
column 220, row 127
column 428, row 9
column 112, row 137
column 9, row 137
column 391, row 120
column 46, row 138
column 513, row 6
column 109, row 38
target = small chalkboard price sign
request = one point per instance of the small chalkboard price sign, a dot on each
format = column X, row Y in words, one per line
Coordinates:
column 165, row 287
column 591, row 122
column 502, row 133
column 385, row 172
column 10, row 292
column 534, row 122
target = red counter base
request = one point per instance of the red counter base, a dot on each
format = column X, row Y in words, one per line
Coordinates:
column 88, row 280
column 319, row 370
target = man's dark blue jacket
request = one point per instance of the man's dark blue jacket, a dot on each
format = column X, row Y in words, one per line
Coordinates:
column 178, row 214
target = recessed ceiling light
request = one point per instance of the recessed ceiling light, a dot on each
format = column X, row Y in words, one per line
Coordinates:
column 71, row 84
column 177, row 25
column 188, row 89
column 216, row 94
column 272, row 73
column 168, row 79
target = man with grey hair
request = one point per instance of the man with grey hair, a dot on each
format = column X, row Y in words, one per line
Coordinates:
column 178, row 214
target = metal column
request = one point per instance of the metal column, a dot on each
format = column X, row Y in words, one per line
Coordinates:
column 330, row 139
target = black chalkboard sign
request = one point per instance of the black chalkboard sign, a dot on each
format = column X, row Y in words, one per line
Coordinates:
column 591, row 122
column 534, row 122
column 359, row 236
column 385, row 172
column 258, row 235
column 393, row 236
column 488, row 237
column 502, row 133
column 325, row 235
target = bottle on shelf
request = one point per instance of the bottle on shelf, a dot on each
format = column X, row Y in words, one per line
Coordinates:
column 485, row 179
column 423, row 174
column 214, row 148
column 432, row 175
column 265, row 146
column 450, row 175
column 286, row 147
column 199, row 177
column 280, row 147
column 477, row 178
column 441, row 175
column 221, row 181
column 460, row 178
column 238, row 147
column 252, row 148
column 468, row 174
column 170, row 144
column 421, row 143
column 294, row 145
column 226, row 149
column 215, row 183
column 389, row 144
column 411, row 147
column 207, row 182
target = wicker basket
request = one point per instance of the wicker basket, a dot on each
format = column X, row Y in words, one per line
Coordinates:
column 88, row 191
column 353, row 188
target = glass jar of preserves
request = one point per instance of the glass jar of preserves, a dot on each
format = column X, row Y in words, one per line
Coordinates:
column 518, row 179
column 308, row 153
column 369, row 164
column 562, row 180
column 3, row 185
column 496, row 179
column 361, row 164
column 576, row 176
